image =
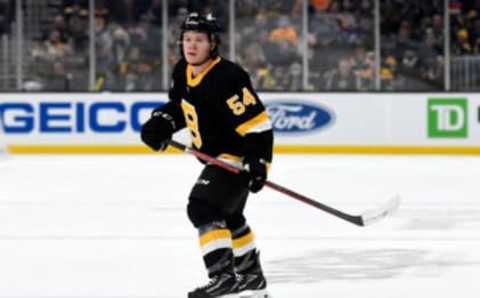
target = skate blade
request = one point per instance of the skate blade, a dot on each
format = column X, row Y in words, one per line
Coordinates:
column 255, row 294
column 229, row 296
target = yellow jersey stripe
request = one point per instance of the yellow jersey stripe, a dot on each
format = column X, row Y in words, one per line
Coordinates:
column 261, row 118
column 215, row 235
column 244, row 240
column 226, row 156
column 193, row 82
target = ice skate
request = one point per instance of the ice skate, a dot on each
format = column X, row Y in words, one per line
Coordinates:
column 224, row 285
column 253, row 285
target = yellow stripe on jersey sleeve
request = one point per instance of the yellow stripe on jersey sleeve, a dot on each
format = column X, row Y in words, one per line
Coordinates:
column 257, row 121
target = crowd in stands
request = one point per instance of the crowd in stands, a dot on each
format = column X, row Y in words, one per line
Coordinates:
column 341, row 39
column 412, row 45
column 128, row 44
column 127, row 47
column 268, row 43
column 465, row 27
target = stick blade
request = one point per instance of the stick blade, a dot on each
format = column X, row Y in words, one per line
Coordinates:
column 372, row 216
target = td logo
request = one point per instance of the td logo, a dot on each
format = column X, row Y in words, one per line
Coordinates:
column 447, row 118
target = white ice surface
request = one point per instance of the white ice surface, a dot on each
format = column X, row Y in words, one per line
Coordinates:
column 116, row 226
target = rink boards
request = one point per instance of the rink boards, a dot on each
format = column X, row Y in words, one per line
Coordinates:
column 303, row 122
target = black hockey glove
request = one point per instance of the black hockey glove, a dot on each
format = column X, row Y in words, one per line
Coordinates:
column 158, row 130
column 257, row 172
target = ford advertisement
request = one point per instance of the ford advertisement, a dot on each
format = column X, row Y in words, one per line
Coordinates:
column 298, row 117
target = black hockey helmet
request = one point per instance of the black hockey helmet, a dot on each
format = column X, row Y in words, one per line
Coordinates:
column 199, row 23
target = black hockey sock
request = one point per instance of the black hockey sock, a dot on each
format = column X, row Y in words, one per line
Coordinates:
column 216, row 245
column 245, row 251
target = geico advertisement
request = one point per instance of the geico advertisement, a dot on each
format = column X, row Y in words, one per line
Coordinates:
column 73, row 119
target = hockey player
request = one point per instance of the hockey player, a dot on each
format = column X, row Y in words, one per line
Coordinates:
column 214, row 98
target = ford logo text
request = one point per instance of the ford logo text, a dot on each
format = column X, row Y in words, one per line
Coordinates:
column 297, row 116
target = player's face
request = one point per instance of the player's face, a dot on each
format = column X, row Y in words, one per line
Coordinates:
column 196, row 47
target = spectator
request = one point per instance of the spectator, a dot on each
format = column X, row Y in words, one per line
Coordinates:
column 294, row 77
column 388, row 73
column 265, row 80
column 103, row 50
column 463, row 43
column 363, row 66
column 320, row 5
column 342, row 78
column 284, row 32
column 59, row 79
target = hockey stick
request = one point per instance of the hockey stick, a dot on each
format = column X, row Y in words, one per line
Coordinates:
column 367, row 218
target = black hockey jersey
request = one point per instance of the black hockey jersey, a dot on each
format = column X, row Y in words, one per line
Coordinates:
column 221, row 109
